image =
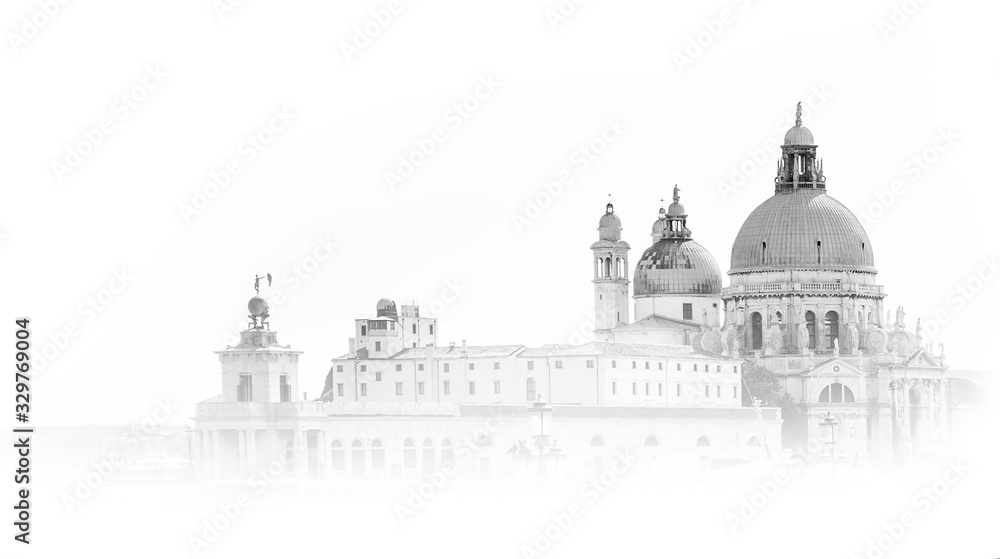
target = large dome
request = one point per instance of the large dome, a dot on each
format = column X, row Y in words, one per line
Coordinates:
column 802, row 229
column 674, row 267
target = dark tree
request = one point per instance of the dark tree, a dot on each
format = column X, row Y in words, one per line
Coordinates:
column 759, row 383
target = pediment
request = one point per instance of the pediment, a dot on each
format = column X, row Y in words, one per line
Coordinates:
column 834, row 367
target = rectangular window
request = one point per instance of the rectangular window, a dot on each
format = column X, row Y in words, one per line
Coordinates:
column 420, row 388
column 678, row 366
column 706, row 391
column 660, row 367
column 734, row 392
column 614, row 364
column 647, row 389
column 340, row 389
column 364, row 368
column 633, row 364
column 340, row 368
column 496, row 387
column 614, row 387
column 364, row 330
column 634, row 390
column 378, row 376
column 718, row 368
column 678, row 390
column 688, row 312
column 734, row 369
column 447, row 367
column 432, row 329
column 364, row 389
column 647, row 364
column 399, row 367
column 496, row 366
column 420, row 366
column 472, row 366
column 660, row 388
column 414, row 328
column 559, row 364
column 286, row 389
column 696, row 367
column 447, row 387
column 378, row 346
column 531, row 365
column 718, row 391
column 244, row 392
column 399, row 389
column 414, row 344
column 590, row 363
column 472, row 387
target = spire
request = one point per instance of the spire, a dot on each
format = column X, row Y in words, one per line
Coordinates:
column 798, row 114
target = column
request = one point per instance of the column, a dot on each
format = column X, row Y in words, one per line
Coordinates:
column 301, row 454
column 251, row 449
column 205, row 456
column 216, row 454
column 241, row 452
column 945, row 435
column 322, row 454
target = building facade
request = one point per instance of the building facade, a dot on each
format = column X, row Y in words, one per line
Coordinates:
column 802, row 301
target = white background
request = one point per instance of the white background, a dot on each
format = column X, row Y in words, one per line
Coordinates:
column 879, row 96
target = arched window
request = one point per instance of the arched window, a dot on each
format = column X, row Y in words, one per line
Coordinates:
column 763, row 253
column 447, row 452
column 619, row 268
column 600, row 267
column 819, row 252
column 484, row 440
column 756, row 331
column 753, row 441
column 832, row 328
column 378, row 455
column 338, row 458
column 703, row 441
column 607, row 267
column 597, row 441
column 651, row 441
column 811, row 327
column 530, row 385
column 836, row 393
column 409, row 454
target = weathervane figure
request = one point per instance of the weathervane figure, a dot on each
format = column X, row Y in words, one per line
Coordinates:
column 256, row 282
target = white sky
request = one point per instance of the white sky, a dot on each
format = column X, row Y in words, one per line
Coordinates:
column 323, row 176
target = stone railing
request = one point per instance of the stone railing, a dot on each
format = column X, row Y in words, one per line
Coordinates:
column 803, row 288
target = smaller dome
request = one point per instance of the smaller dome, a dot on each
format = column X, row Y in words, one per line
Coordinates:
column 610, row 226
column 610, row 221
column 676, row 209
column 799, row 136
column 385, row 307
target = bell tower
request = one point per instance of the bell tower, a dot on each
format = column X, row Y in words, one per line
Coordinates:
column 610, row 274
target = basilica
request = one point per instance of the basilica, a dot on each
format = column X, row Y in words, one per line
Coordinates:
column 802, row 302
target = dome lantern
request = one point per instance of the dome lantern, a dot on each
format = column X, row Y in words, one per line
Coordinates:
column 798, row 167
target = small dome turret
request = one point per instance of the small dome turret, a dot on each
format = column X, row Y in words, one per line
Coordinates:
column 385, row 307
